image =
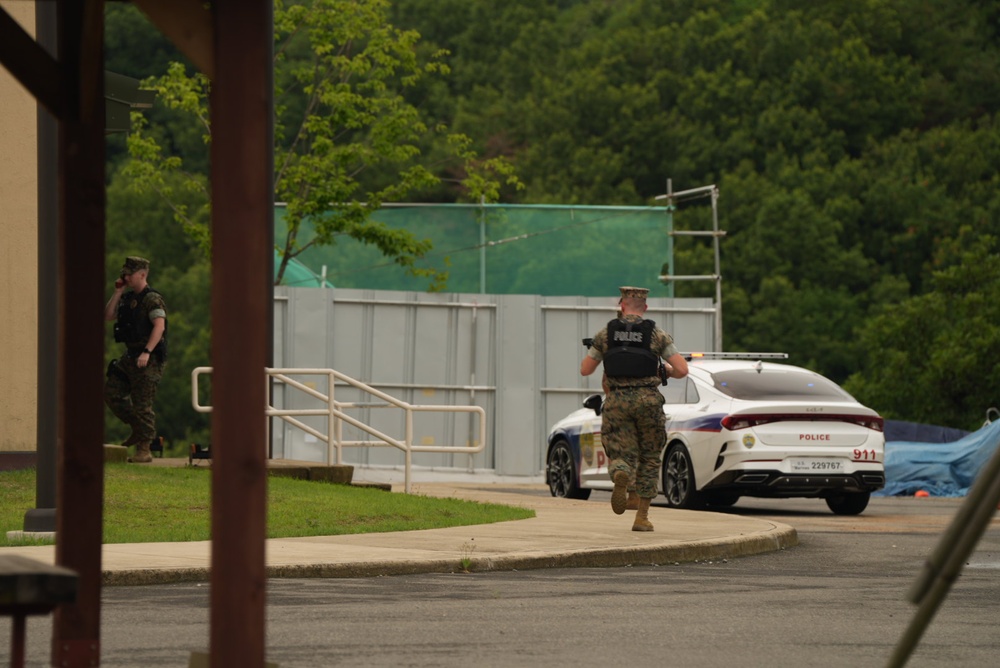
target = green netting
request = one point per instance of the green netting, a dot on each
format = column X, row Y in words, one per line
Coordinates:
column 298, row 275
column 508, row 249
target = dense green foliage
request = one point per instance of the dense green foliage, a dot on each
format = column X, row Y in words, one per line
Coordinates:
column 346, row 137
column 855, row 146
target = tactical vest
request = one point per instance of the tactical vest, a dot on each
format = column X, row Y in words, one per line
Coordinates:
column 629, row 350
column 133, row 326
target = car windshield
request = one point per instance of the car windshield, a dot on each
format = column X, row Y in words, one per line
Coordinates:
column 778, row 384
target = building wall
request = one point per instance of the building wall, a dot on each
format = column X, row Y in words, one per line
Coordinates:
column 18, row 253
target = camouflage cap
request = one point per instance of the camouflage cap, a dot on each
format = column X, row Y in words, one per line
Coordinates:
column 634, row 293
column 133, row 263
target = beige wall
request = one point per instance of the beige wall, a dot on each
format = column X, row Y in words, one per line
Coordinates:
column 18, row 253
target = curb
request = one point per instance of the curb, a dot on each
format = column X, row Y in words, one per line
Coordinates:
column 775, row 540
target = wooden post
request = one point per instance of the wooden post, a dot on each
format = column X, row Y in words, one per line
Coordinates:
column 242, row 255
column 80, row 330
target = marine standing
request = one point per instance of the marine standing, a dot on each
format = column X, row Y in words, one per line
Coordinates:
column 633, row 426
column 140, row 317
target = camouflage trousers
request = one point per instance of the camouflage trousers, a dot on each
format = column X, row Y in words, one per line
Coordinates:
column 633, row 431
column 129, row 392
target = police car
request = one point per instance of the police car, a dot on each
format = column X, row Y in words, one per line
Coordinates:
column 739, row 425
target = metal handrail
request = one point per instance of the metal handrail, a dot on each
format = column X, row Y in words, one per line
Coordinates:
column 336, row 416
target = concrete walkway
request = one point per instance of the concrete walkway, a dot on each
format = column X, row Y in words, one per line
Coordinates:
column 564, row 533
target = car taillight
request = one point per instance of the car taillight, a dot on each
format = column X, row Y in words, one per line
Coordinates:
column 737, row 422
column 873, row 423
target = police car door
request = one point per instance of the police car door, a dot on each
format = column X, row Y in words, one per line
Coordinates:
column 593, row 461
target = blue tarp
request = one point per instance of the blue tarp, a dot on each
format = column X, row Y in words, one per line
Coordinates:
column 898, row 430
column 941, row 469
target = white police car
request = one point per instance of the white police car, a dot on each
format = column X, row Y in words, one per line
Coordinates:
column 740, row 426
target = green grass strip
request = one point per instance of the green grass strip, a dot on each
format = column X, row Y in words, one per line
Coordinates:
column 154, row 504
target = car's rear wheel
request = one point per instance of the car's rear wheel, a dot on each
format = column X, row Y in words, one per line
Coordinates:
column 678, row 479
column 849, row 504
column 562, row 475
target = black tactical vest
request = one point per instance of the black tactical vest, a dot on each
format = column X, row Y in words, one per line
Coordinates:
column 629, row 350
column 133, row 326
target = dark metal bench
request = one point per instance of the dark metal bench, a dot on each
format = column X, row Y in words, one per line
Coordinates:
column 30, row 587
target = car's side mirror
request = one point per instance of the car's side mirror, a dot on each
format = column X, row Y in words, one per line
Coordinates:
column 593, row 402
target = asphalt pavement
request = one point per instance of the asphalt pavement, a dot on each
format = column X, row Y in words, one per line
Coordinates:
column 563, row 533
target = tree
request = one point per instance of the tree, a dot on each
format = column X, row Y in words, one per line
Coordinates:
column 135, row 48
column 346, row 138
column 932, row 358
column 851, row 142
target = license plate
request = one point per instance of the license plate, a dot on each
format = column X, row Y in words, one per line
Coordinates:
column 814, row 465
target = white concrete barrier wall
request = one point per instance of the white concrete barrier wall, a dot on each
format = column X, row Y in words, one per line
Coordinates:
column 517, row 356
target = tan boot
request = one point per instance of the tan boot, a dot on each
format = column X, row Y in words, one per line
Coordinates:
column 620, row 493
column 142, row 454
column 633, row 501
column 642, row 522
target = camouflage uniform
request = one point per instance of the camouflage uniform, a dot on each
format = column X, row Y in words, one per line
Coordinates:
column 633, row 426
column 130, row 390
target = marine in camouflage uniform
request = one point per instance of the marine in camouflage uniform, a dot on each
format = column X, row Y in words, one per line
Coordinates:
column 633, row 426
column 140, row 316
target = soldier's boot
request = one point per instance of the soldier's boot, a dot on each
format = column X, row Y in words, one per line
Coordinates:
column 142, row 454
column 619, row 497
column 633, row 501
column 642, row 522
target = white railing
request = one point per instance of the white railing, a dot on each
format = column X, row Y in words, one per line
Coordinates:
column 336, row 417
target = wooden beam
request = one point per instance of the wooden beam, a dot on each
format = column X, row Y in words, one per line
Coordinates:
column 92, row 63
column 81, row 283
column 188, row 24
column 241, row 105
column 31, row 65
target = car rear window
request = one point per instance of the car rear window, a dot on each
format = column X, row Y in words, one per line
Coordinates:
column 778, row 384
column 679, row 391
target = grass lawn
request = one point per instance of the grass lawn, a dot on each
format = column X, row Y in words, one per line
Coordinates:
column 147, row 504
